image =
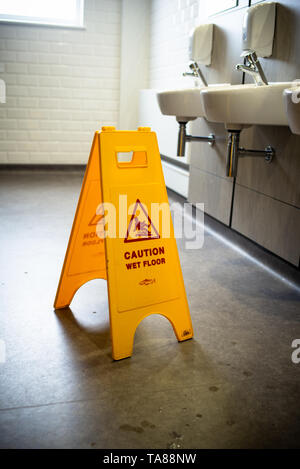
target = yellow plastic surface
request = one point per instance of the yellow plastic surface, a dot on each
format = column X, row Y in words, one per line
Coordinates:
column 143, row 269
column 85, row 256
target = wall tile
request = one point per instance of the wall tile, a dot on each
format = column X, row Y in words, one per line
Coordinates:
column 57, row 79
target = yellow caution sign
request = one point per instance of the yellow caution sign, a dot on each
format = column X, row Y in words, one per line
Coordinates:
column 138, row 255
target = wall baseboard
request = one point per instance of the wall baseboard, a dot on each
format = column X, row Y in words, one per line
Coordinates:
column 176, row 178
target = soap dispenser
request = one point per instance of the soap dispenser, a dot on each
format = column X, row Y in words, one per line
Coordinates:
column 200, row 50
column 259, row 28
column 200, row 44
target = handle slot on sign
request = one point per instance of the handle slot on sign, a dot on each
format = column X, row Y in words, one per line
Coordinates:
column 131, row 157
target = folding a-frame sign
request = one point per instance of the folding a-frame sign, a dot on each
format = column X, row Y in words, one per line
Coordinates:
column 142, row 267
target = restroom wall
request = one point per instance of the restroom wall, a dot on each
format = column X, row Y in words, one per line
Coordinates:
column 134, row 70
column 263, row 202
column 208, row 182
column 62, row 84
column 171, row 21
column 267, row 197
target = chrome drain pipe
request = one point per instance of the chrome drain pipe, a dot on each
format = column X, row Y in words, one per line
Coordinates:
column 183, row 138
column 234, row 152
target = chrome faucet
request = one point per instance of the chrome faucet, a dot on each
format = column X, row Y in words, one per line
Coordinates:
column 196, row 73
column 253, row 67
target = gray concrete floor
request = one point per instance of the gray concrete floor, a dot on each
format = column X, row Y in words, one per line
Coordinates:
column 233, row 386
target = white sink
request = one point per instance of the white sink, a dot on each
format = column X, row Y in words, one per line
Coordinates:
column 291, row 99
column 243, row 105
column 185, row 104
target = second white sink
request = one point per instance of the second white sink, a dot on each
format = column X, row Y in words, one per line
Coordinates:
column 239, row 105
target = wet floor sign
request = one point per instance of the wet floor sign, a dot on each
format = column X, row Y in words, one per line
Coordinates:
column 123, row 231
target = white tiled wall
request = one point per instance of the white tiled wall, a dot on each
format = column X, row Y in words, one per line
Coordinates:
column 62, row 85
column 171, row 24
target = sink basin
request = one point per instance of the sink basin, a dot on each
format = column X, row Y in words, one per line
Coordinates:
column 291, row 99
column 243, row 105
column 185, row 104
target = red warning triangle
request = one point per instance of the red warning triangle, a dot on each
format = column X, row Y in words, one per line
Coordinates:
column 140, row 227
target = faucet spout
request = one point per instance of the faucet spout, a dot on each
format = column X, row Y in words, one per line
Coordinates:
column 253, row 68
column 196, row 73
